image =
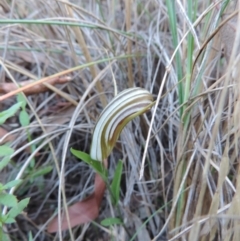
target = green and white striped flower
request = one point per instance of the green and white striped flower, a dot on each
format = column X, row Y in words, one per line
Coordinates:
column 123, row 108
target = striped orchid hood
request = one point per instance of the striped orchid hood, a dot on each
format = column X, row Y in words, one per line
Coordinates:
column 123, row 108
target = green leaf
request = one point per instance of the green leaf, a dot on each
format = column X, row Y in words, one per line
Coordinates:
column 111, row 221
column 9, row 220
column 2, row 220
column 24, row 118
column 8, row 200
column 4, row 115
column 40, row 171
column 96, row 165
column 4, row 162
column 30, row 237
column 12, row 184
column 115, row 185
column 18, row 208
column 32, row 163
column 6, row 150
column 21, row 98
column 5, row 237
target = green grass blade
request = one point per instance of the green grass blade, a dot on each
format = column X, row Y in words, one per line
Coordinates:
column 173, row 27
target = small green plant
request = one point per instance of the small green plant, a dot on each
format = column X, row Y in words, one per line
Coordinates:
column 114, row 188
column 123, row 108
column 9, row 200
column 111, row 221
column 24, row 120
column 31, row 172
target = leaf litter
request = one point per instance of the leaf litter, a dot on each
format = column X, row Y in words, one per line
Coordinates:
column 148, row 33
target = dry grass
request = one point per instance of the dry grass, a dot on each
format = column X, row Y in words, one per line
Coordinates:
column 190, row 189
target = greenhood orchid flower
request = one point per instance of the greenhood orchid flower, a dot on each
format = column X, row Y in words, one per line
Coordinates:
column 123, row 108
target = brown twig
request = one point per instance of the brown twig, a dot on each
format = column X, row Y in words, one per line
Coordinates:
column 38, row 88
